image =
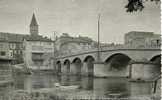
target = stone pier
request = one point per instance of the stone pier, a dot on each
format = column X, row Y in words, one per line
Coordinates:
column 143, row 70
column 73, row 69
column 64, row 69
column 85, row 69
column 104, row 70
column 99, row 69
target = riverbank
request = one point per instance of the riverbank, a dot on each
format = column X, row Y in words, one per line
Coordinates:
column 58, row 94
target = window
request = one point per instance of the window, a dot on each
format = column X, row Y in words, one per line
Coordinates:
column 1, row 45
column 13, row 45
column 18, row 52
column 15, row 52
column 18, row 45
column 21, row 46
column 10, row 45
column 11, row 54
column 2, row 53
column 157, row 42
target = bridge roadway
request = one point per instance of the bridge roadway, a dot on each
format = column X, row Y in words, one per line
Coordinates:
column 113, row 62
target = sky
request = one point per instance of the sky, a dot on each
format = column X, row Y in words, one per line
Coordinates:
column 78, row 17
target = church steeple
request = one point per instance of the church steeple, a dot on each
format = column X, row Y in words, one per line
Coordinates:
column 34, row 26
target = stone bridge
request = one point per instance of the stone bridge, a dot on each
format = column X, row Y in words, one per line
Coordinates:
column 112, row 62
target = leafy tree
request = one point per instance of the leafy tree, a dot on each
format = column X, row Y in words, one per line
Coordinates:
column 137, row 5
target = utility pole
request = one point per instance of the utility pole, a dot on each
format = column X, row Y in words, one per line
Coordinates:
column 98, row 29
column 54, row 51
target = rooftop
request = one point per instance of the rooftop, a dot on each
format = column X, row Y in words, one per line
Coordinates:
column 33, row 21
column 37, row 38
column 139, row 32
column 12, row 37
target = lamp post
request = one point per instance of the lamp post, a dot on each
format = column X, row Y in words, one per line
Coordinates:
column 98, row 35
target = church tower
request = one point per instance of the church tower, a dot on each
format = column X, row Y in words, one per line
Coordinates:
column 34, row 26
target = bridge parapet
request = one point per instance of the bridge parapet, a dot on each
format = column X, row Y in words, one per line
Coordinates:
column 107, row 48
column 122, row 46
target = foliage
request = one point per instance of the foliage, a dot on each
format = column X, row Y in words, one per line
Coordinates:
column 137, row 5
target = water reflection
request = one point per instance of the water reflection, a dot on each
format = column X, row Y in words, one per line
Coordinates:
column 100, row 86
column 140, row 88
column 28, row 82
column 111, row 85
column 6, row 91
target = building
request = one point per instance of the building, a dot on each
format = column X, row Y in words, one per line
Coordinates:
column 38, row 50
column 142, row 39
column 5, row 63
column 15, row 42
column 67, row 44
column 4, row 51
column 155, row 40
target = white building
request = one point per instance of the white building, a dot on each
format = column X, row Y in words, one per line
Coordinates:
column 38, row 50
column 142, row 39
column 38, row 53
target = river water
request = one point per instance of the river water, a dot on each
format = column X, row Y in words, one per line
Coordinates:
column 100, row 86
column 97, row 85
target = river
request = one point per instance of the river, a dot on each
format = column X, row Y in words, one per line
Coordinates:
column 100, row 86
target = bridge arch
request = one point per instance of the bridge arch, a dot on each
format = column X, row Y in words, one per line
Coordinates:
column 77, row 59
column 66, row 61
column 156, row 59
column 89, row 57
column 116, row 54
column 155, row 70
column 58, row 66
column 76, row 66
column 89, row 65
column 67, row 65
column 118, row 64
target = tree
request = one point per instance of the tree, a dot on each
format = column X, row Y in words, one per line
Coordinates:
column 137, row 5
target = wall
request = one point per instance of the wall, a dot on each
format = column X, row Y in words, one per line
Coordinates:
column 143, row 71
column 45, row 49
column 16, row 49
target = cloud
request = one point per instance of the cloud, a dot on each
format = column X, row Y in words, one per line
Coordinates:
column 78, row 17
